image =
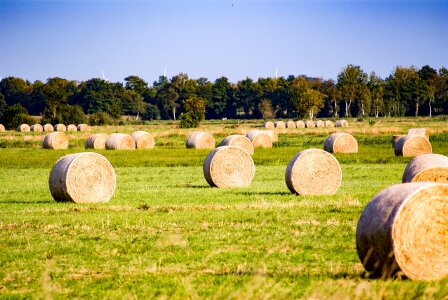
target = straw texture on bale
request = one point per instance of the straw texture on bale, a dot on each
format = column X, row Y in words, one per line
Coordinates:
column 427, row 167
column 260, row 138
column 328, row 123
column 83, row 127
column 55, row 140
column 229, row 166
column 238, row 141
column 395, row 139
column 291, row 124
column 280, row 124
column 60, row 127
column 319, row 123
column 403, row 230
column 272, row 134
column 96, row 141
column 310, row 124
column 412, row 145
column 23, row 128
column 2, row 128
column 341, row 142
column 143, row 140
column 419, row 131
column 341, row 123
column 313, row 172
column 36, row 128
column 200, row 140
column 120, row 141
column 71, row 127
column 86, row 177
column 48, row 127
column 300, row 124
column 268, row 124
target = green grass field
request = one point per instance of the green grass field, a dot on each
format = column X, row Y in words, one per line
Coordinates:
column 167, row 234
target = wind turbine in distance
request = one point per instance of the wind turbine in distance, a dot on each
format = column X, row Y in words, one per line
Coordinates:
column 104, row 77
column 164, row 72
column 276, row 72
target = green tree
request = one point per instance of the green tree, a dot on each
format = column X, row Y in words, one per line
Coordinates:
column 376, row 87
column 194, row 112
column 14, row 115
column 266, row 109
column 220, row 104
column 247, row 98
column 351, row 81
column 56, row 92
column 15, row 90
column 132, row 103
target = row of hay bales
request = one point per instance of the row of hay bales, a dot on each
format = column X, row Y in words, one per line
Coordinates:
column 304, row 124
column 49, row 128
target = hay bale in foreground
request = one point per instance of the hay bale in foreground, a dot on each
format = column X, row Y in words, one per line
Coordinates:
column 310, row 124
column 291, row 124
column 341, row 123
column 48, row 127
column 200, row 140
column 55, row 140
column 280, row 124
column 403, row 229
column 419, row 131
column 238, row 140
column 36, row 128
column 412, row 145
column 395, row 139
column 319, row 123
column 2, row 128
column 229, row 166
column 83, row 127
column 313, row 172
column 86, row 177
column 260, row 138
column 143, row 140
column 427, row 167
column 300, row 124
column 120, row 141
column 71, row 127
column 268, row 124
column 23, row 128
column 60, row 127
column 96, row 141
column 341, row 142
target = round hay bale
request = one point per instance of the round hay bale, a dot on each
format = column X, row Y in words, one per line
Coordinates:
column 238, row 141
column 313, row 172
column 395, row 139
column 200, row 140
column 55, row 140
column 403, row 230
column 279, row 124
column 36, row 128
column 328, row 123
column 412, row 145
column 2, row 128
column 229, row 166
column 60, row 127
column 143, row 140
column 260, row 138
column 341, row 142
column 300, row 124
column 71, row 127
column 23, row 128
column 427, row 167
column 120, row 141
column 319, row 123
column 310, row 124
column 48, row 127
column 268, row 124
column 83, row 127
column 419, row 131
column 96, row 141
column 272, row 134
column 291, row 124
column 86, row 177
column 341, row 123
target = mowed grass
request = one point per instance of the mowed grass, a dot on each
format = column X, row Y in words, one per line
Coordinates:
column 167, row 234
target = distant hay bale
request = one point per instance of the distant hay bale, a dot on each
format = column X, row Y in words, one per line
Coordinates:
column 272, row 134
column 403, row 230
column 395, row 139
column 427, row 167
column 86, row 177
column 328, row 123
column 319, row 123
column 229, row 166
column 200, row 140
column 83, row 127
column 260, row 138
column 238, row 141
column 291, row 124
column 71, row 127
column 341, row 142
column 419, row 131
column 48, row 127
column 2, row 128
column 300, row 124
column 341, row 123
column 280, row 124
column 268, row 124
column 143, row 140
column 36, row 128
column 120, row 141
column 55, row 140
column 313, row 172
column 310, row 124
column 412, row 145
column 96, row 141
column 23, row 128
column 60, row 127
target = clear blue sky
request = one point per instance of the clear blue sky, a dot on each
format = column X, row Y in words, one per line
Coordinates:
column 210, row 38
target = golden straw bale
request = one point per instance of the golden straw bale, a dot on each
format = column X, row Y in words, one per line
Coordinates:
column 200, row 140
column 412, row 145
column 300, row 124
column 86, row 177
column 2, row 128
column 238, row 141
column 280, row 124
column 143, row 140
column 310, row 124
column 328, row 123
column 341, row 142
column 96, row 141
column 260, row 138
column 71, row 127
column 403, row 230
column 23, row 128
column 60, row 127
column 120, row 141
column 395, row 139
column 319, row 123
column 229, row 166
column 419, row 131
column 55, row 140
column 36, row 128
column 291, row 124
column 83, row 127
column 48, row 127
column 268, row 124
column 272, row 134
column 341, row 123
column 427, row 167
column 313, row 172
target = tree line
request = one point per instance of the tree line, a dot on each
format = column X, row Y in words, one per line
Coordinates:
column 407, row 91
